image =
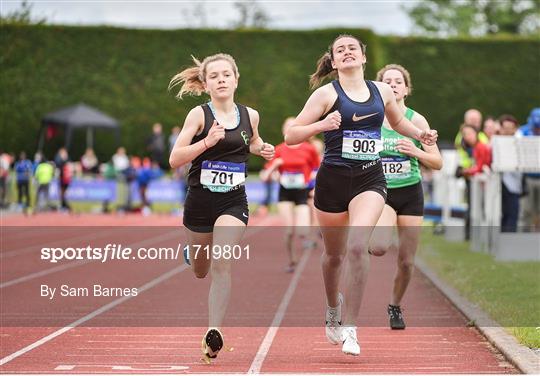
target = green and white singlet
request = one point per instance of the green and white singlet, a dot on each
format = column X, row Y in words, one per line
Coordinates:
column 400, row 170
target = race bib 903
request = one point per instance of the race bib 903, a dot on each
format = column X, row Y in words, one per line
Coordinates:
column 396, row 167
column 361, row 145
column 222, row 176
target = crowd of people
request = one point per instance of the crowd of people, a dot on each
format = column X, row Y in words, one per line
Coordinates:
column 359, row 186
column 473, row 143
column 21, row 175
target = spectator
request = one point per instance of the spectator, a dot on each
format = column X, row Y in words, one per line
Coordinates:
column 531, row 204
column 491, row 127
column 472, row 117
column 120, row 160
column 481, row 152
column 147, row 173
column 5, row 162
column 89, row 162
column 156, row 144
column 172, row 138
column 38, row 158
column 44, row 174
column 511, row 182
column 23, row 171
column 63, row 164
column 532, row 128
column 480, row 155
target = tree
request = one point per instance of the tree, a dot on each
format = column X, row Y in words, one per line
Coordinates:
column 21, row 16
column 196, row 15
column 475, row 17
column 251, row 14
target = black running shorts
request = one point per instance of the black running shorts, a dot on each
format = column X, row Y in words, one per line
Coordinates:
column 407, row 200
column 298, row 196
column 202, row 207
column 336, row 186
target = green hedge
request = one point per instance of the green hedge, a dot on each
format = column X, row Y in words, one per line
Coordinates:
column 125, row 73
column 498, row 76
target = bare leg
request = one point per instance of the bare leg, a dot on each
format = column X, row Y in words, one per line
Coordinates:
column 382, row 239
column 334, row 230
column 301, row 222
column 198, row 241
column 286, row 211
column 228, row 231
column 409, row 235
column 364, row 210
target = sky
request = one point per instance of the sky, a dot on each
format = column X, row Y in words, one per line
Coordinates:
column 382, row 16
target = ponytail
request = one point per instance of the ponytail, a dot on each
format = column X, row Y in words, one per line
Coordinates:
column 191, row 80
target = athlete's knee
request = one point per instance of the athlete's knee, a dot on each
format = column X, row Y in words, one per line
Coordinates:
column 332, row 260
column 406, row 264
column 378, row 250
column 221, row 270
column 357, row 252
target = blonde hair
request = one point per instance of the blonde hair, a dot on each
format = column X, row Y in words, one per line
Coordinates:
column 404, row 72
column 324, row 64
column 193, row 78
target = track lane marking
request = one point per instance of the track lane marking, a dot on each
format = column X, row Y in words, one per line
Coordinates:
column 256, row 365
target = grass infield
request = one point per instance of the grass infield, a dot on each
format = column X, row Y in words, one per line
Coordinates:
column 509, row 292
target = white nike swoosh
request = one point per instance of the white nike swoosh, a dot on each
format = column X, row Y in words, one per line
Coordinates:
column 358, row 118
column 244, row 214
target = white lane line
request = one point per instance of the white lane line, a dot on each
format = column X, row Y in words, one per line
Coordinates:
column 91, row 315
column 116, row 302
column 280, row 313
column 56, row 243
column 166, row 236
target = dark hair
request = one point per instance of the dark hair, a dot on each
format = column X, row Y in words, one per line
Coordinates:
column 464, row 126
column 509, row 118
column 324, row 64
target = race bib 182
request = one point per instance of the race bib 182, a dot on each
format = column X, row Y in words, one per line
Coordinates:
column 396, row 167
column 361, row 145
column 222, row 176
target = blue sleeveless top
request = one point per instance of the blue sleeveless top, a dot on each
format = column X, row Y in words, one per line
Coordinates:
column 366, row 117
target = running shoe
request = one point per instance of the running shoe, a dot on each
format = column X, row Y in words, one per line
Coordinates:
column 396, row 317
column 212, row 343
column 350, row 342
column 333, row 322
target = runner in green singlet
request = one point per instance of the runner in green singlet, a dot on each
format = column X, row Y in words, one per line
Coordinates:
column 401, row 158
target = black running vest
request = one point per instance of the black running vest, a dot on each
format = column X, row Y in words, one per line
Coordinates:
column 233, row 148
column 365, row 116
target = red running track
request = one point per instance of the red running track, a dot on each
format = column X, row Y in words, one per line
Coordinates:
column 274, row 321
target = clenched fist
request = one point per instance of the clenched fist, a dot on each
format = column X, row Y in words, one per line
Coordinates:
column 215, row 134
column 331, row 122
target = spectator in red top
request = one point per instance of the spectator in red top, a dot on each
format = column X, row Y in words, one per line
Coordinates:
column 481, row 152
column 295, row 164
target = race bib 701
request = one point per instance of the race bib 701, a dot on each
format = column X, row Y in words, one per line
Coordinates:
column 222, row 176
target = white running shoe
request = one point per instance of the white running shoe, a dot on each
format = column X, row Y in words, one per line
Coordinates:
column 350, row 342
column 333, row 322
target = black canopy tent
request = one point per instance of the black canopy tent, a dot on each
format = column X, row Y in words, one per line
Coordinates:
column 80, row 116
